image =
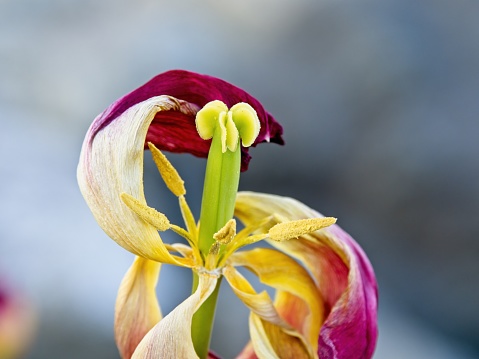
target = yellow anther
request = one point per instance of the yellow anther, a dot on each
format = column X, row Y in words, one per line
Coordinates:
column 294, row 229
column 148, row 214
column 226, row 234
column 241, row 121
column 169, row 174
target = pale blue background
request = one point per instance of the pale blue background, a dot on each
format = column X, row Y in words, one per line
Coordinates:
column 379, row 101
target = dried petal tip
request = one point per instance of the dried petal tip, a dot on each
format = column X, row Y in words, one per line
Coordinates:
column 294, row 229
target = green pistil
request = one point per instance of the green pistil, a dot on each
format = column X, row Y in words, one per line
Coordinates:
column 219, row 192
column 226, row 127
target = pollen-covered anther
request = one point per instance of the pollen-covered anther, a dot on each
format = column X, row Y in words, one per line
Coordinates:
column 226, row 234
column 169, row 174
column 241, row 121
column 146, row 213
column 295, row 229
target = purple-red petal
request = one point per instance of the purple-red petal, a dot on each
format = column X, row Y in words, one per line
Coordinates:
column 342, row 272
column 351, row 331
column 176, row 132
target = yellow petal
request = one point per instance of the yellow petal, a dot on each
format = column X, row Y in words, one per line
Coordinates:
column 265, row 323
column 137, row 309
column 272, row 341
column 293, row 282
column 111, row 162
column 171, row 337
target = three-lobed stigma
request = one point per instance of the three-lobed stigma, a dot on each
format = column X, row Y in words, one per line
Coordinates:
column 241, row 121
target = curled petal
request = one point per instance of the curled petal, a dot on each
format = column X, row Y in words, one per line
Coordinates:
column 111, row 163
column 298, row 300
column 272, row 341
column 340, row 268
column 137, row 309
column 176, row 131
column 171, row 337
column 271, row 336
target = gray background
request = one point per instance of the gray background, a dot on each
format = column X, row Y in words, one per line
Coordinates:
column 378, row 99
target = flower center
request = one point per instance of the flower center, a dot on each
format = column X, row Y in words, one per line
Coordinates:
column 226, row 127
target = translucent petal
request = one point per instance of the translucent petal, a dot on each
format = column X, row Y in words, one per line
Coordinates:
column 272, row 341
column 283, row 273
column 137, row 309
column 270, row 334
column 111, row 162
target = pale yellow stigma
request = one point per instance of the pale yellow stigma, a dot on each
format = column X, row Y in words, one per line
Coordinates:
column 294, row 229
column 241, row 121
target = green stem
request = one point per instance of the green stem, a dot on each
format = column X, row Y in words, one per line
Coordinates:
column 217, row 207
column 203, row 319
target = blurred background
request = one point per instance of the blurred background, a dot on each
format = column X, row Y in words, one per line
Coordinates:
column 379, row 103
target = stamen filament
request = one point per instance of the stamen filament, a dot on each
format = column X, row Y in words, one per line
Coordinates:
column 189, row 220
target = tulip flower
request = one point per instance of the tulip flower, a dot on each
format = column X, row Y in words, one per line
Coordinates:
column 325, row 303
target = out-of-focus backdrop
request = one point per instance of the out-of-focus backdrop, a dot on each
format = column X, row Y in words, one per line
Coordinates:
column 379, row 102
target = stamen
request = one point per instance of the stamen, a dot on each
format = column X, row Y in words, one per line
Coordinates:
column 146, row 213
column 226, row 234
column 294, row 229
column 212, row 258
column 245, row 237
column 188, row 218
column 169, row 174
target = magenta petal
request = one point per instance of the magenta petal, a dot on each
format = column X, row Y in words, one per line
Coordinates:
column 175, row 131
column 350, row 330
